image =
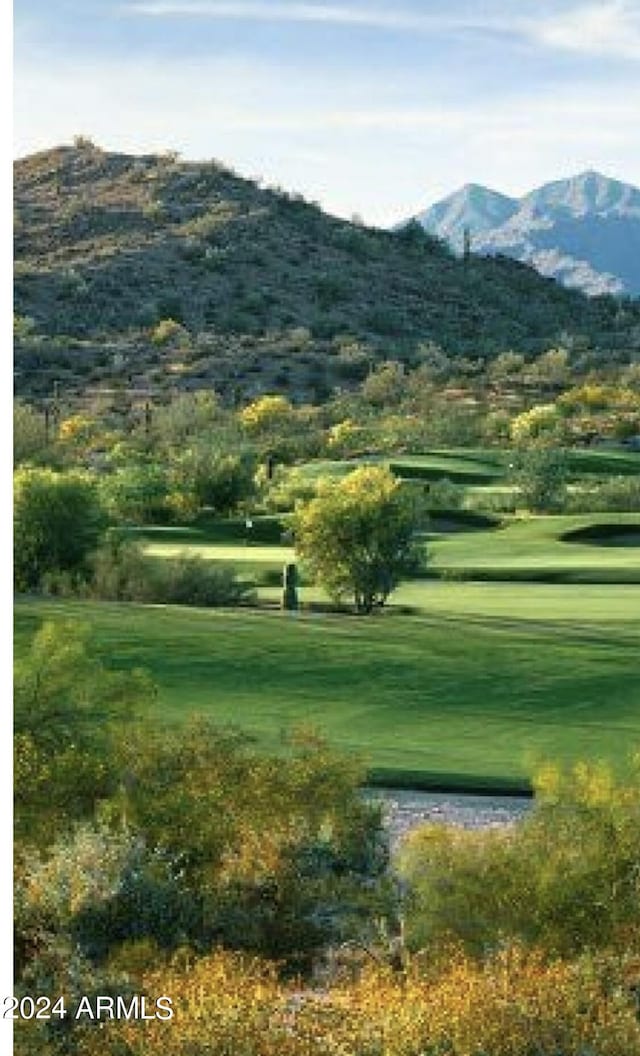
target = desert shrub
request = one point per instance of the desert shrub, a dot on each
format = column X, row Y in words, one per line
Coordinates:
column 119, row 571
column 617, row 494
column 57, row 522
column 194, row 581
column 30, row 440
column 518, row 1003
column 165, row 331
column 565, row 879
column 66, row 709
column 122, row 572
column 206, row 476
column 287, row 487
column 443, row 495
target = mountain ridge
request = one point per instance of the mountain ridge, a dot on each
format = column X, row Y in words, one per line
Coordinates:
column 583, row 230
column 266, row 291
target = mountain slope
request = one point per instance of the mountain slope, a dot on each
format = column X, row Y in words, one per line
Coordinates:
column 584, row 231
column 270, row 291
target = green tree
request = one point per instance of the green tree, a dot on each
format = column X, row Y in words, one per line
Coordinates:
column 541, row 474
column 204, row 476
column 135, row 494
column 58, row 520
column 358, row 536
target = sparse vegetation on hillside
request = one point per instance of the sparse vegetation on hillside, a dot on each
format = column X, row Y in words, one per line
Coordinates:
column 154, row 271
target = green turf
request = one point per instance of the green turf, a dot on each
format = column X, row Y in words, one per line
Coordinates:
column 536, row 547
column 473, row 696
column 527, row 548
column 484, row 465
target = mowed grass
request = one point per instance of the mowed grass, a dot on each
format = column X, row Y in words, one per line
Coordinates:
column 527, row 548
column 534, row 547
column 483, row 465
column 451, row 697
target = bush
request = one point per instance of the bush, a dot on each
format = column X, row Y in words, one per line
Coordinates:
column 615, row 495
column 541, row 474
column 194, row 581
column 136, row 494
column 565, row 879
column 58, row 520
column 121, row 572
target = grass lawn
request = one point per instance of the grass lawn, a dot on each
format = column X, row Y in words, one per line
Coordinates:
column 531, row 548
column 483, row 465
column 536, row 547
column 449, row 696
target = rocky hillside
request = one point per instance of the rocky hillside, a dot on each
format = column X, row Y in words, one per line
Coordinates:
column 268, row 290
column 584, row 231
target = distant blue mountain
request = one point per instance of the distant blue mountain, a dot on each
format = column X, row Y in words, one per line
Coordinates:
column 583, row 231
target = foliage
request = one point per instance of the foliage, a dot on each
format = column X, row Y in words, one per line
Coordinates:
column 614, row 494
column 121, row 572
column 266, row 414
column 30, row 441
column 136, row 493
column 57, row 522
column 516, row 1003
column 206, row 476
column 541, row 421
column 66, row 708
column 540, row 474
column 357, row 536
column 165, row 331
column 566, row 878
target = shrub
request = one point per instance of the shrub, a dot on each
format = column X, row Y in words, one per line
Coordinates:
column 566, row 878
column 615, row 495
column 121, row 572
column 57, row 522
column 136, row 494
column 541, row 474
column 194, row 581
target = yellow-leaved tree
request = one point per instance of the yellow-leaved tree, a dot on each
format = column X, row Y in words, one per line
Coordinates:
column 358, row 536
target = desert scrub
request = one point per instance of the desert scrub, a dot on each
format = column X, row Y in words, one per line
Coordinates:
column 518, row 1003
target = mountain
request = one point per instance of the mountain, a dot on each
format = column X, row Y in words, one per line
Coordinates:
column 270, row 292
column 583, row 231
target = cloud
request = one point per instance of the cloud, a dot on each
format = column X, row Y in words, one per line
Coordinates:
column 342, row 143
column 607, row 28
column 341, row 15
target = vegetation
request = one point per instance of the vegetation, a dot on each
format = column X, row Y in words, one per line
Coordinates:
column 357, row 536
column 216, row 382
column 257, row 290
column 401, row 691
column 57, row 522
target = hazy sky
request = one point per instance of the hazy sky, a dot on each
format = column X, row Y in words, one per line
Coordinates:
column 365, row 106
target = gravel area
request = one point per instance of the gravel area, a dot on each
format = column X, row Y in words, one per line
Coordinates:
column 405, row 810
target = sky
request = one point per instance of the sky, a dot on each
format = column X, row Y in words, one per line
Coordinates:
column 368, row 107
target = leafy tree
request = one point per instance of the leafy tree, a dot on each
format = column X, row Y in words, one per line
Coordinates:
column 205, row 476
column 357, row 536
column 57, row 523
column 541, row 474
column 266, row 414
column 135, row 494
